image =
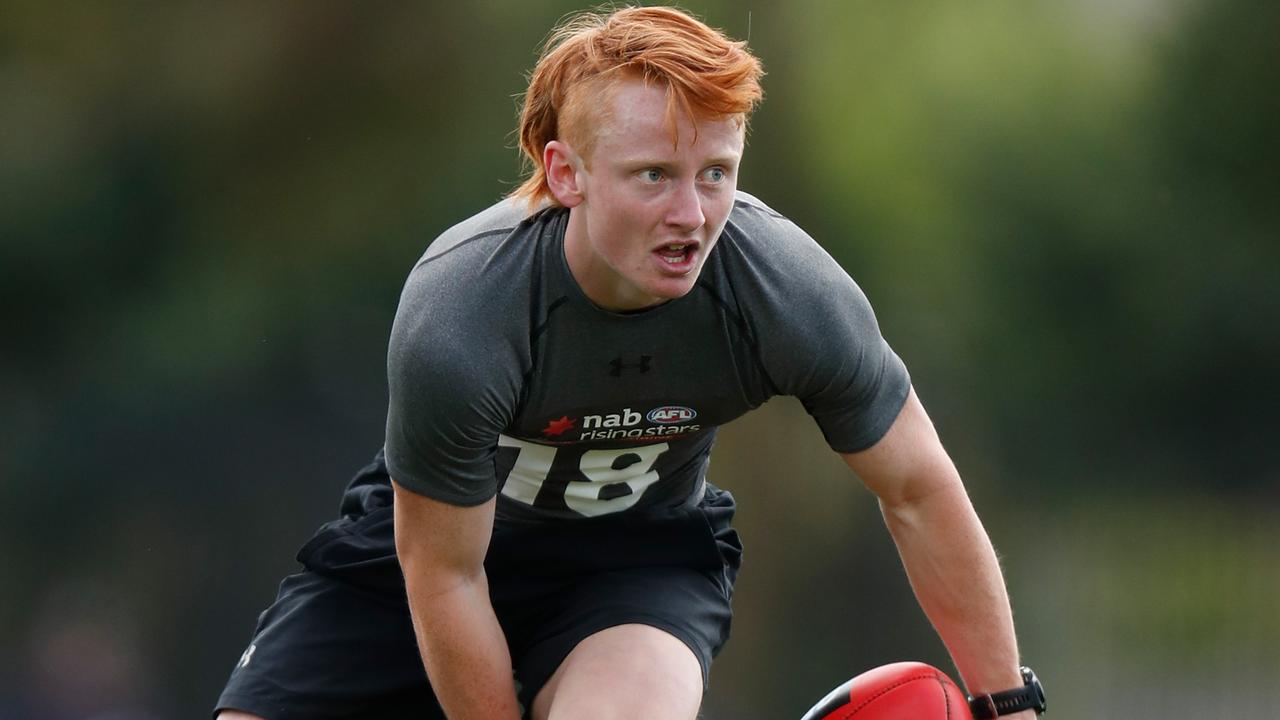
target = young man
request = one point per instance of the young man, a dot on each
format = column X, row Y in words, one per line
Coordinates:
column 558, row 366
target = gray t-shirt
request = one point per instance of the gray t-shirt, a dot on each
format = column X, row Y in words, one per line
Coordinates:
column 506, row 379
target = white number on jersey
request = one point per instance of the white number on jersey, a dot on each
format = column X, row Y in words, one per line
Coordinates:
column 612, row 484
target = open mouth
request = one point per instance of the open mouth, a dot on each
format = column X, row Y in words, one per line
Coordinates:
column 676, row 253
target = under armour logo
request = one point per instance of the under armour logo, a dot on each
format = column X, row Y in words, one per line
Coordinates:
column 247, row 656
column 618, row 366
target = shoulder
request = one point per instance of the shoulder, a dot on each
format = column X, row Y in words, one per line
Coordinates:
column 753, row 219
column 480, row 234
column 787, row 288
column 770, row 243
column 468, row 295
column 765, row 254
column 483, row 261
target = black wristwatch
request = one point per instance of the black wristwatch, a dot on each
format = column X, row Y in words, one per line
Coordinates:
column 1028, row 697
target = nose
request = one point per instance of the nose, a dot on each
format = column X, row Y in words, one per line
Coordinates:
column 685, row 210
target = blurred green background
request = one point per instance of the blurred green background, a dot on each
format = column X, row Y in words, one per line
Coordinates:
column 1065, row 214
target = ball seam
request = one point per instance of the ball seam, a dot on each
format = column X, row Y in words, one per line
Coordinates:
column 891, row 688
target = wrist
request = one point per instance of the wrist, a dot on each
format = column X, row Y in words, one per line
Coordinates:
column 465, row 653
column 1022, row 702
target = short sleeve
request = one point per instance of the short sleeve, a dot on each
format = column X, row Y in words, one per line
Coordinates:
column 850, row 379
column 452, row 388
column 817, row 335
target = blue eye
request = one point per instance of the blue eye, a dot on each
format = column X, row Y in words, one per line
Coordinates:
column 716, row 175
column 652, row 175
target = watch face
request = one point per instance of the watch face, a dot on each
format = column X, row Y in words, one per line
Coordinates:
column 1037, row 690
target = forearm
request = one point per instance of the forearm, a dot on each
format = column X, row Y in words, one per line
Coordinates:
column 441, row 549
column 464, row 649
column 947, row 555
column 956, row 577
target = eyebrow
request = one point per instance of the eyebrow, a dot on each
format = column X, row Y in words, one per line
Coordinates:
column 642, row 161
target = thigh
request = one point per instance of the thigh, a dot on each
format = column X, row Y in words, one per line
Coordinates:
column 328, row 649
column 627, row 671
column 672, row 574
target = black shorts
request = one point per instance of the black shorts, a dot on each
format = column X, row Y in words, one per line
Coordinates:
column 338, row 641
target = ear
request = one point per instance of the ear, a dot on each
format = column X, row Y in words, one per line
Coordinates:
column 562, row 165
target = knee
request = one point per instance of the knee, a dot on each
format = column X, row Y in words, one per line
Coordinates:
column 628, row 671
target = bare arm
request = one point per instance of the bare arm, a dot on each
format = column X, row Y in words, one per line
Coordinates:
column 441, row 549
column 945, row 550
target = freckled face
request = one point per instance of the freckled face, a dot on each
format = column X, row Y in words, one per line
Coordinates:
column 650, row 213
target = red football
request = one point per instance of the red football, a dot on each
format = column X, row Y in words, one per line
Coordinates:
column 900, row 691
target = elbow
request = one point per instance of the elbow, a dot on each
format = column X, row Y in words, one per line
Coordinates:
column 429, row 575
column 924, row 505
column 941, row 483
column 440, row 548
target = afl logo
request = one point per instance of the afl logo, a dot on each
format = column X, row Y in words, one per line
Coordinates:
column 671, row 414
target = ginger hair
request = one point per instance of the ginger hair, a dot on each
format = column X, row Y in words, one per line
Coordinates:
column 706, row 75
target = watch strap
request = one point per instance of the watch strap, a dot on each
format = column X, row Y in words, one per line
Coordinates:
column 1028, row 697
